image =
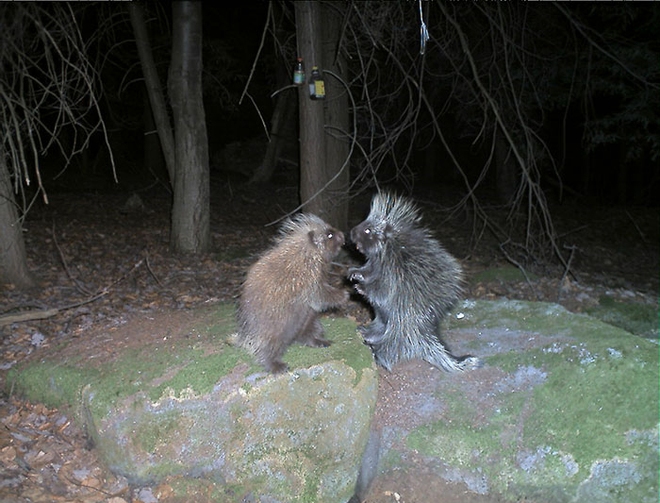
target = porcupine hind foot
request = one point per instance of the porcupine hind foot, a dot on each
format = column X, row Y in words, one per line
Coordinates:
column 312, row 334
column 470, row 362
column 432, row 351
column 273, row 364
column 445, row 361
column 374, row 333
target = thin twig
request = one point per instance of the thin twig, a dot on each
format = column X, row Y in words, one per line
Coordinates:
column 639, row 231
column 42, row 314
column 48, row 313
column 567, row 269
column 153, row 275
column 521, row 268
column 78, row 284
column 256, row 58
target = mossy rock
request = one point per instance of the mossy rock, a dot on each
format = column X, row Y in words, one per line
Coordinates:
column 565, row 409
column 634, row 317
column 172, row 396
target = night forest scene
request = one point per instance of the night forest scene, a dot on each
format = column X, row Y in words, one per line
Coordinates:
column 149, row 152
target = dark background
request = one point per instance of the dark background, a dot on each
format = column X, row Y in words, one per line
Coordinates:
column 604, row 141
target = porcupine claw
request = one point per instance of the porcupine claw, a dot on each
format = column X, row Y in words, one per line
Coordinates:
column 355, row 276
column 357, row 279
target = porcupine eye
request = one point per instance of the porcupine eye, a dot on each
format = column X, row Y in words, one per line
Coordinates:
column 368, row 239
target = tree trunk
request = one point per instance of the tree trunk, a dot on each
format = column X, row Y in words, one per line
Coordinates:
column 191, row 202
column 282, row 115
column 13, row 259
column 337, row 172
column 323, row 190
column 312, row 145
column 284, row 121
column 154, row 89
column 153, row 157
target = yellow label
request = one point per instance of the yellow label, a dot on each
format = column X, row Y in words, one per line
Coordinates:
column 319, row 88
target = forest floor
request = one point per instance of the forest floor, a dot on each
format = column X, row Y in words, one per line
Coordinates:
column 101, row 262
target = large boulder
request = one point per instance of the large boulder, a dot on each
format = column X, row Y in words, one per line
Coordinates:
column 565, row 409
column 171, row 396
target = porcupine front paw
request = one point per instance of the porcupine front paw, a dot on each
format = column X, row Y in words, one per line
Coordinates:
column 319, row 342
column 357, row 280
column 355, row 275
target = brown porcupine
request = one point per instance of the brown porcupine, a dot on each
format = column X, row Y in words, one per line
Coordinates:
column 410, row 281
column 287, row 288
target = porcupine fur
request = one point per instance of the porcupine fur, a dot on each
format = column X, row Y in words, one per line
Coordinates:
column 287, row 288
column 410, row 281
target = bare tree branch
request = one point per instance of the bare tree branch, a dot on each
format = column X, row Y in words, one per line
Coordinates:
column 50, row 88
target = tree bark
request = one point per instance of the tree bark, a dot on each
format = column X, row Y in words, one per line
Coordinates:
column 13, row 259
column 154, row 89
column 322, row 189
column 337, row 171
column 153, row 157
column 282, row 116
column 284, row 121
column 312, row 145
column 191, row 203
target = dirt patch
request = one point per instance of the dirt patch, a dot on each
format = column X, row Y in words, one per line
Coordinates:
column 421, row 485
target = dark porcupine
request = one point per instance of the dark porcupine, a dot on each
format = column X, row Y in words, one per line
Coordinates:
column 287, row 288
column 410, row 281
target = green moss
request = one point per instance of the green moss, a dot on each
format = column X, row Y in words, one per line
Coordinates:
column 199, row 374
column 50, row 383
column 505, row 274
column 310, row 491
column 170, row 370
column 215, row 320
column 345, row 347
column 535, row 317
column 392, row 460
column 636, row 318
column 160, row 470
column 594, row 392
column 457, row 444
column 175, row 364
column 585, row 407
column 155, row 428
column 134, row 397
column 591, row 389
column 186, row 489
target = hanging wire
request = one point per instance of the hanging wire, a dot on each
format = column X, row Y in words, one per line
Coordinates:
column 423, row 31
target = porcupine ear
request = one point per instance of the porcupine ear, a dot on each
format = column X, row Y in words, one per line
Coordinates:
column 312, row 238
